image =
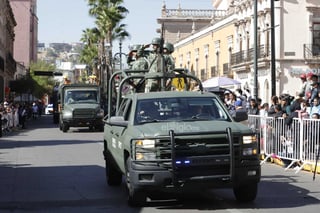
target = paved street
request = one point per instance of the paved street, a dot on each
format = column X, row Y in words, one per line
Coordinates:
column 45, row 170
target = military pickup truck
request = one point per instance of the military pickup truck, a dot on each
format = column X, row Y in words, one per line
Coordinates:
column 79, row 106
column 176, row 142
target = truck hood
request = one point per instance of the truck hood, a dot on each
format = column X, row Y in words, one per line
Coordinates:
column 163, row 128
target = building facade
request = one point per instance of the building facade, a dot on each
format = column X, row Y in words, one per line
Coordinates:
column 25, row 45
column 226, row 46
column 7, row 37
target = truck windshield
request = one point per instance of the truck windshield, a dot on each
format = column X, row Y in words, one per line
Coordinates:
column 80, row 96
column 178, row 109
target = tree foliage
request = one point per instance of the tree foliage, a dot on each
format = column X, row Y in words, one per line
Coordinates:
column 41, row 84
column 108, row 15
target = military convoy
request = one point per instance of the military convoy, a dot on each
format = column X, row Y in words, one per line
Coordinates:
column 78, row 105
column 167, row 140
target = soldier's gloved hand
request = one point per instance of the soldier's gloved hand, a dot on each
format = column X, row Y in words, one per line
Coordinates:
column 146, row 46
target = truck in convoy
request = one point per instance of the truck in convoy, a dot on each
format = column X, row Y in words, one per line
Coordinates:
column 79, row 106
column 170, row 142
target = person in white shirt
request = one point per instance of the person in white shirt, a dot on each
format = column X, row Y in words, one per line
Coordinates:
column 315, row 108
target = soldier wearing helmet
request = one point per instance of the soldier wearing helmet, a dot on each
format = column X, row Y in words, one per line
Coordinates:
column 133, row 54
column 168, row 49
column 141, row 63
column 155, row 44
column 151, row 84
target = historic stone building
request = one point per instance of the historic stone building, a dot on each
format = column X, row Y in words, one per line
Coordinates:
column 225, row 46
column 7, row 37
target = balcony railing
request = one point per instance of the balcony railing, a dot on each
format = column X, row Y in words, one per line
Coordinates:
column 183, row 13
column 311, row 51
column 248, row 55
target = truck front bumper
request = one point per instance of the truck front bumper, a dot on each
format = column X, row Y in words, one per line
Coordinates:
column 83, row 122
column 156, row 178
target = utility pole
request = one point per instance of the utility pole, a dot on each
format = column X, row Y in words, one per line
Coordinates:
column 273, row 54
column 255, row 63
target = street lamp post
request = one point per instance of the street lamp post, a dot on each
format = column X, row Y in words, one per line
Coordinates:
column 120, row 51
column 119, row 54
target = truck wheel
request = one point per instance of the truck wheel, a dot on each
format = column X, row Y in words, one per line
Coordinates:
column 65, row 127
column 135, row 197
column 100, row 128
column 114, row 177
column 246, row 193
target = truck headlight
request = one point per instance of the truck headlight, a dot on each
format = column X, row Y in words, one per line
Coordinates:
column 67, row 114
column 249, row 139
column 144, row 149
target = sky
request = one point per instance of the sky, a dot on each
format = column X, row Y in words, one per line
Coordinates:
column 63, row 21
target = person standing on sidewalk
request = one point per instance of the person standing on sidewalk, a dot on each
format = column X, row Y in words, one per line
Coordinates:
column 23, row 116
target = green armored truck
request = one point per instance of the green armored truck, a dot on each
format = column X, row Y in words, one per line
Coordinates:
column 167, row 142
column 79, row 106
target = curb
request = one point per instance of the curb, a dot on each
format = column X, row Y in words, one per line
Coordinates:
column 307, row 167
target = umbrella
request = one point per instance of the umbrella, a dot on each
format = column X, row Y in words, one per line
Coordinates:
column 219, row 81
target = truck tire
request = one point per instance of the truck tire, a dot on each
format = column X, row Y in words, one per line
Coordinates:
column 114, row 176
column 136, row 197
column 65, row 127
column 246, row 193
column 100, row 128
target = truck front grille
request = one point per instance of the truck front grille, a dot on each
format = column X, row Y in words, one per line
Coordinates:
column 83, row 113
column 201, row 157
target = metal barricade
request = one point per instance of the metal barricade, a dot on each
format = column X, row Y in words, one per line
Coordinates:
column 297, row 142
column 310, row 141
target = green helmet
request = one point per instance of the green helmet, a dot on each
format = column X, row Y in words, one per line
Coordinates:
column 156, row 41
column 169, row 47
column 136, row 47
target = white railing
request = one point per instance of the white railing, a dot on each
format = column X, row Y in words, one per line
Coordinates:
column 296, row 142
column 182, row 13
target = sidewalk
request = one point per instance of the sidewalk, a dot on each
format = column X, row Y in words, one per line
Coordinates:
column 31, row 123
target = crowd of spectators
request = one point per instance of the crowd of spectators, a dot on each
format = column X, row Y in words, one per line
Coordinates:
column 304, row 103
column 15, row 114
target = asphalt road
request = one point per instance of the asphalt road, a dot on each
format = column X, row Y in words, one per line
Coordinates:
column 45, row 170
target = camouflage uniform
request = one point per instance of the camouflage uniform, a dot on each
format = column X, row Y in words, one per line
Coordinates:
column 141, row 63
column 151, row 84
column 169, row 60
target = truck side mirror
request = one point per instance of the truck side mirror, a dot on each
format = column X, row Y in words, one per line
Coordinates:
column 118, row 121
column 240, row 115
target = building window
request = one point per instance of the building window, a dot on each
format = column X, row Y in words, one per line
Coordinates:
column 213, row 71
column 218, row 63
column 196, row 57
column 316, row 39
column 203, row 75
column 226, row 68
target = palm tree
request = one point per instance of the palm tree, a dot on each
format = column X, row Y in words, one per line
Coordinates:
column 108, row 14
column 90, row 50
column 120, row 33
